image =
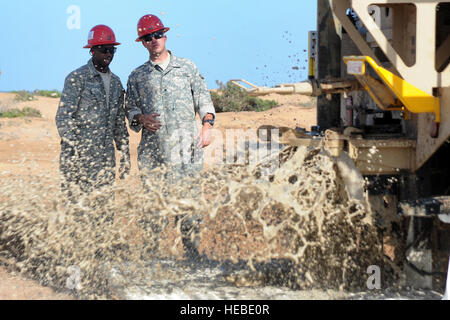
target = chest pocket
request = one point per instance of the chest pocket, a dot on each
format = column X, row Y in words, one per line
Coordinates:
column 147, row 95
column 181, row 95
column 181, row 79
column 92, row 93
column 91, row 108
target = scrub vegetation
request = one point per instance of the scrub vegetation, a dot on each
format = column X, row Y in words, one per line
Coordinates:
column 231, row 98
column 20, row 113
column 24, row 95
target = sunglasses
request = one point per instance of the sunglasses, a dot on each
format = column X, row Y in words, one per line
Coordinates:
column 157, row 35
column 105, row 50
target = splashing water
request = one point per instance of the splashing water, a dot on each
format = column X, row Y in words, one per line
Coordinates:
column 307, row 226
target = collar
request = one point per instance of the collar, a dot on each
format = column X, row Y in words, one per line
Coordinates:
column 169, row 56
column 94, row 72
column 174, row 63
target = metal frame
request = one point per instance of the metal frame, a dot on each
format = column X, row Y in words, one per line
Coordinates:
column 422, row 74
column 412, row 98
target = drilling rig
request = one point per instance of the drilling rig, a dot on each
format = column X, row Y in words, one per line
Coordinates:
column 380, row 72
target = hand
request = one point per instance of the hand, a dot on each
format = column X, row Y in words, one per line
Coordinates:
column 149, row 121
column 205, row 136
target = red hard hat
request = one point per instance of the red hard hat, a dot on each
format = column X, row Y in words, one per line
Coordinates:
column 149, row 24
column 101, row 35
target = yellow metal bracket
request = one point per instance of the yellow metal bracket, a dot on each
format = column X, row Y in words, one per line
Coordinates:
column 393, row 93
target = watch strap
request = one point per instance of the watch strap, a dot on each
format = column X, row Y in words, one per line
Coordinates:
column 210, row 121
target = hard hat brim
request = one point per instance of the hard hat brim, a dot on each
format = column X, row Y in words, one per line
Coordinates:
column 88, row 46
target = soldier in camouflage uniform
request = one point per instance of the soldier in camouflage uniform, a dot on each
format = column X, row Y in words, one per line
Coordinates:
column 163, row 97
column 91, row 118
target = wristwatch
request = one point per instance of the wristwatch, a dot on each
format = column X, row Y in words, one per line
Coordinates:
column 210, row 121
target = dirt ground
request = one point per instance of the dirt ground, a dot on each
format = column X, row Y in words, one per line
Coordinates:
column 30, row 146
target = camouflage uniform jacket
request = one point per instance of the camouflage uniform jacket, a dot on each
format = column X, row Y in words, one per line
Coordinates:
column 89, row 126
column 177, row 93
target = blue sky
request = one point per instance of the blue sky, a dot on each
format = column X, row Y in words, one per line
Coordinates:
column 261, row 41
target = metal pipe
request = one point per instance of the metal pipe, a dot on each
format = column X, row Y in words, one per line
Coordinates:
column 349, row 111
column 426, row 207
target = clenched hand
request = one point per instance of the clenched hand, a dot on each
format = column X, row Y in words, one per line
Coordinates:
column 149, row 121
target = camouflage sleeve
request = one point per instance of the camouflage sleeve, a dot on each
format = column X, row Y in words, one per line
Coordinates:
column 68, row 105
column 132, row 105
column 202, row 98
column 121, row 136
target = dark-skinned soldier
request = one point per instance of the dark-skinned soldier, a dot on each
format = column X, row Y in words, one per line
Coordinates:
column 91, row 120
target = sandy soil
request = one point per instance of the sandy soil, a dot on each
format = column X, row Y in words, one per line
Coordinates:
column 30, row 146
